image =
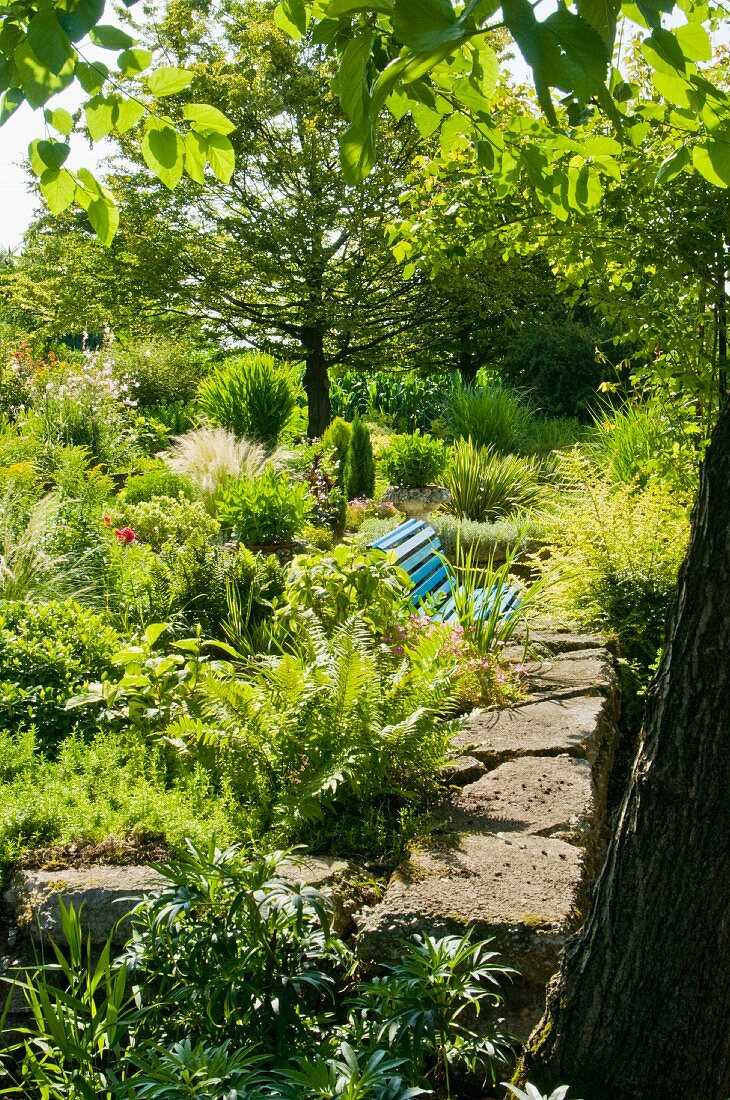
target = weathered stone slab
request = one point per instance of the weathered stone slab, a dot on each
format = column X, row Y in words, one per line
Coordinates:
column 577, row 726
column 106, row 894
column 563, row 641
column 462, row 770
column 544, row 796
column 526, row 892
column 574, row 674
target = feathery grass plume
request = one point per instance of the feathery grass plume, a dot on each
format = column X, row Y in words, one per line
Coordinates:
column 212, row 456
column 28, row 570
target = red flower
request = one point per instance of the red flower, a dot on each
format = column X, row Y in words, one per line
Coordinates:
column 125, row 534
column 107, row 520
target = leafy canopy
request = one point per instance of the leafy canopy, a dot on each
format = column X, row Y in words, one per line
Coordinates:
column 45, row 47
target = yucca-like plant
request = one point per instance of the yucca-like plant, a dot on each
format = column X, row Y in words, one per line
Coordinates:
column 485, row 486
column 491, row 416
column 210, row 457
column 252, row 395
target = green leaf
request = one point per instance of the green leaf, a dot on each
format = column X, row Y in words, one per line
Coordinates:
column 104, row 217
column 37, row 81
column 674, row 89
column 131, row 62
column 163, row 152
column 207, row 119
column 221, row 157
column 169, row 81
column 673, row 165
column 663, row 51
column 10, row 103
column 425, row 24
column 99, row 113
column 195, row 155
column 60, row 120
column 599, row 145
column 110, row 38
column 58, row 187
column 586, row 57
column 602, row 16
column 49, row 41
column 426, row 120
column 292, row 16
column 126, row 113
column 47, row 154
column 713, row 162
column 78, row 21
column 99, row 205
column 584, row 189
column 350, row 83
column 357, row 151
column 694, row 42
column 337, row 8
column 91, row 77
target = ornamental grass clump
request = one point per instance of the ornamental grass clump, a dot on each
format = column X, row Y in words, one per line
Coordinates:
column 486, row 486
column 491, row 416
column 209, row 457
column 252, row 395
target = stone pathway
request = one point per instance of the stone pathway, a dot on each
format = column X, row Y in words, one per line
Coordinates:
column 520, row 841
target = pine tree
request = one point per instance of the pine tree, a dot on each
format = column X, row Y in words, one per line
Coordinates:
column 360, row 464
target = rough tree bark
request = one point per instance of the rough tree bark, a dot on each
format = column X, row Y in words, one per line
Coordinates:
column 641, row 1007
column 316, row 384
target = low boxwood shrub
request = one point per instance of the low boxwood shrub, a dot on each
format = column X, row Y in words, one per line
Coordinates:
column 47, row 653
column 413, row 461
column 162, row 521
column 158, row 482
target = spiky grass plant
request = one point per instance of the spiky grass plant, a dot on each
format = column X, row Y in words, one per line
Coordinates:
column 485, row 486
column 491, row 416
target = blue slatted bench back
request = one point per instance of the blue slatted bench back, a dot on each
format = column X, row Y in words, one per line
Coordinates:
column 418, row 551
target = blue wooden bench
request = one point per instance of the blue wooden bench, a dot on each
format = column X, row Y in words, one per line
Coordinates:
column 418, row 551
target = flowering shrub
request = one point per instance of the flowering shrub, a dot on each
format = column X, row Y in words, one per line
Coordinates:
column 480, row 679
column 83, row 404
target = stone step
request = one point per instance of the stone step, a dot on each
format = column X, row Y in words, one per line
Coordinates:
column 104, row 894
column 577, row 726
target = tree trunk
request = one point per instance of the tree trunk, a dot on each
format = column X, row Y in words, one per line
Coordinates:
column 316, row 384
column 641, row 1007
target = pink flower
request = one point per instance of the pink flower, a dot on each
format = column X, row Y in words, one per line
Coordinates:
column 125, row 535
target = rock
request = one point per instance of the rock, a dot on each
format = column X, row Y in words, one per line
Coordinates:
column 462, row 770
column 340, row 880
column 578, row 726
column 542, row 796
column 574, row 674
column 563, row 641
column 526, row 892
column 106, row 894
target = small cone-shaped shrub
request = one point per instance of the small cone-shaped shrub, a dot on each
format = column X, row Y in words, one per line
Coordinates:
column 338, row 437
column 359, row 464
